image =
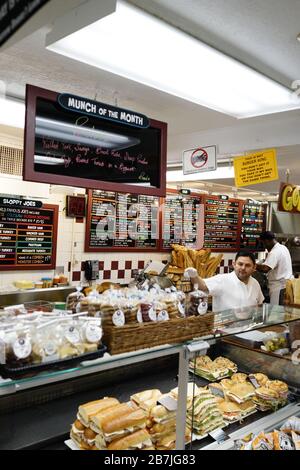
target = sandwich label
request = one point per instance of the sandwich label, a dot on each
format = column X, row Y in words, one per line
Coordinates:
column 163, row 315
column 218, row 435
column 72, row 335
column 139, row 316
column 118, row 318
column 181, row 309
column 50, row 348
column 168, row 402
column 93, row 333
column 152, row 314
column 22, row 348
column 254, row 382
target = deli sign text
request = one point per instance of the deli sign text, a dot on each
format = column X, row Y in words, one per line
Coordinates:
column 289, row 198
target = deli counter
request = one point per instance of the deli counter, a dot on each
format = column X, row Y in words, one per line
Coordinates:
column 48, row 400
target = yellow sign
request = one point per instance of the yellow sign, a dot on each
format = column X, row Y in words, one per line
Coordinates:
column 256, row 168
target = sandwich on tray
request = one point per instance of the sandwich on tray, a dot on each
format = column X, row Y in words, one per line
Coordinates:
column 212, row 370
column 240, row 392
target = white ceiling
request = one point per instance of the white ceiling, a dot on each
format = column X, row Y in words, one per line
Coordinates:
column 259, row 33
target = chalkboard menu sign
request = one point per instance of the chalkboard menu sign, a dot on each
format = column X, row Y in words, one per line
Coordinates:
column 121, row 222
column 181, row 221
column 222, row 223
column 253, row 224
column 74, row 141
column 28, row 237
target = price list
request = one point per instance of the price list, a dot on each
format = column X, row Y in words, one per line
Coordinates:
column 28, row 237
column 180, row 221
column 221, row 227
column 121, row 220
column 253, row 224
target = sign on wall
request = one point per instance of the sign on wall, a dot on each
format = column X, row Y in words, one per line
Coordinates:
column 27, row 235
column 256, row 168
column 199, row 160
column 289, row 198
column 75, row 141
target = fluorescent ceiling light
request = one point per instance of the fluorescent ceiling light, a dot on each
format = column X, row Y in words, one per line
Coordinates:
column 12, row 112
column 65, row 132
column 140, row 47
column 219, row 173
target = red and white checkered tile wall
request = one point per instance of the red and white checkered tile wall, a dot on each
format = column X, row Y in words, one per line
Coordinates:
column 123, row 270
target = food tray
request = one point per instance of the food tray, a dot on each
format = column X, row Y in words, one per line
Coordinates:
column 11, row 371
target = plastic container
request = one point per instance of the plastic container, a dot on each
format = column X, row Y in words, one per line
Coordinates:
column 196, row 302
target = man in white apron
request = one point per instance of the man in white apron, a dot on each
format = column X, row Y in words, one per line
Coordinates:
column 277, row 266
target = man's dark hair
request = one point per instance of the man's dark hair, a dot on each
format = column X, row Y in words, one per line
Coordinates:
column 248, row 254
column 267, row 235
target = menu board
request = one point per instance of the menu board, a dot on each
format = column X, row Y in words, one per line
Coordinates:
column 28, row 237
column 71, row 140
column 121, row 221
column 222, row 223
column 181, row 222
column 253, row 224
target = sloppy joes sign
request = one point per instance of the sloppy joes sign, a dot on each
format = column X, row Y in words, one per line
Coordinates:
column 289, row 198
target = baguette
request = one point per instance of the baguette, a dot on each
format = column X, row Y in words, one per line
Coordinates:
column 137, row 440
column 109, row 414
column 136, row 418
column 88, row 410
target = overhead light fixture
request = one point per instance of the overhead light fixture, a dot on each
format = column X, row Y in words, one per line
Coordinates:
column 12, row 112
column 65, row 132
column 135, row 45
column 219, row 173
column 298, row 37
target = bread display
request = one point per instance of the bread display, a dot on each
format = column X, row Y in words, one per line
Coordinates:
column 183, row 258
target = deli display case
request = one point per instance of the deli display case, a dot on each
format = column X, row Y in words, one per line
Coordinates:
column 49, row 400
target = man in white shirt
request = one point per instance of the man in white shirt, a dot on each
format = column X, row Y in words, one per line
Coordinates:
column 277, row 266
column 237, row 289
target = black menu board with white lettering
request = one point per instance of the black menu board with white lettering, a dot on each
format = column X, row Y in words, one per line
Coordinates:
column 121, row 222
column 253, row 224
column 75, row 141
column 222, row 223
column 181, row 222
column 28, row 237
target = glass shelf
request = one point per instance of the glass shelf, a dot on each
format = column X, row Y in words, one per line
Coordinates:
column 228, row 322
column 239, row 320
column 89, row 367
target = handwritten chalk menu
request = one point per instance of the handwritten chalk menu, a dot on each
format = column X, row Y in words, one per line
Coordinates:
column 180, row 220
column 28, row 237
column 253, row 224
column 222, row 223
column 78, row 142
column 121, row 221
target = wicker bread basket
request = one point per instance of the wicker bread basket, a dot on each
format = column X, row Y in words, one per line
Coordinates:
column 120, row 339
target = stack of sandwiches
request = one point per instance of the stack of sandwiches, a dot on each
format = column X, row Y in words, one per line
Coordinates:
column 204, row 415
column 271, row 396
column 204, row 367
column 162, row 425
column 108, row 424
